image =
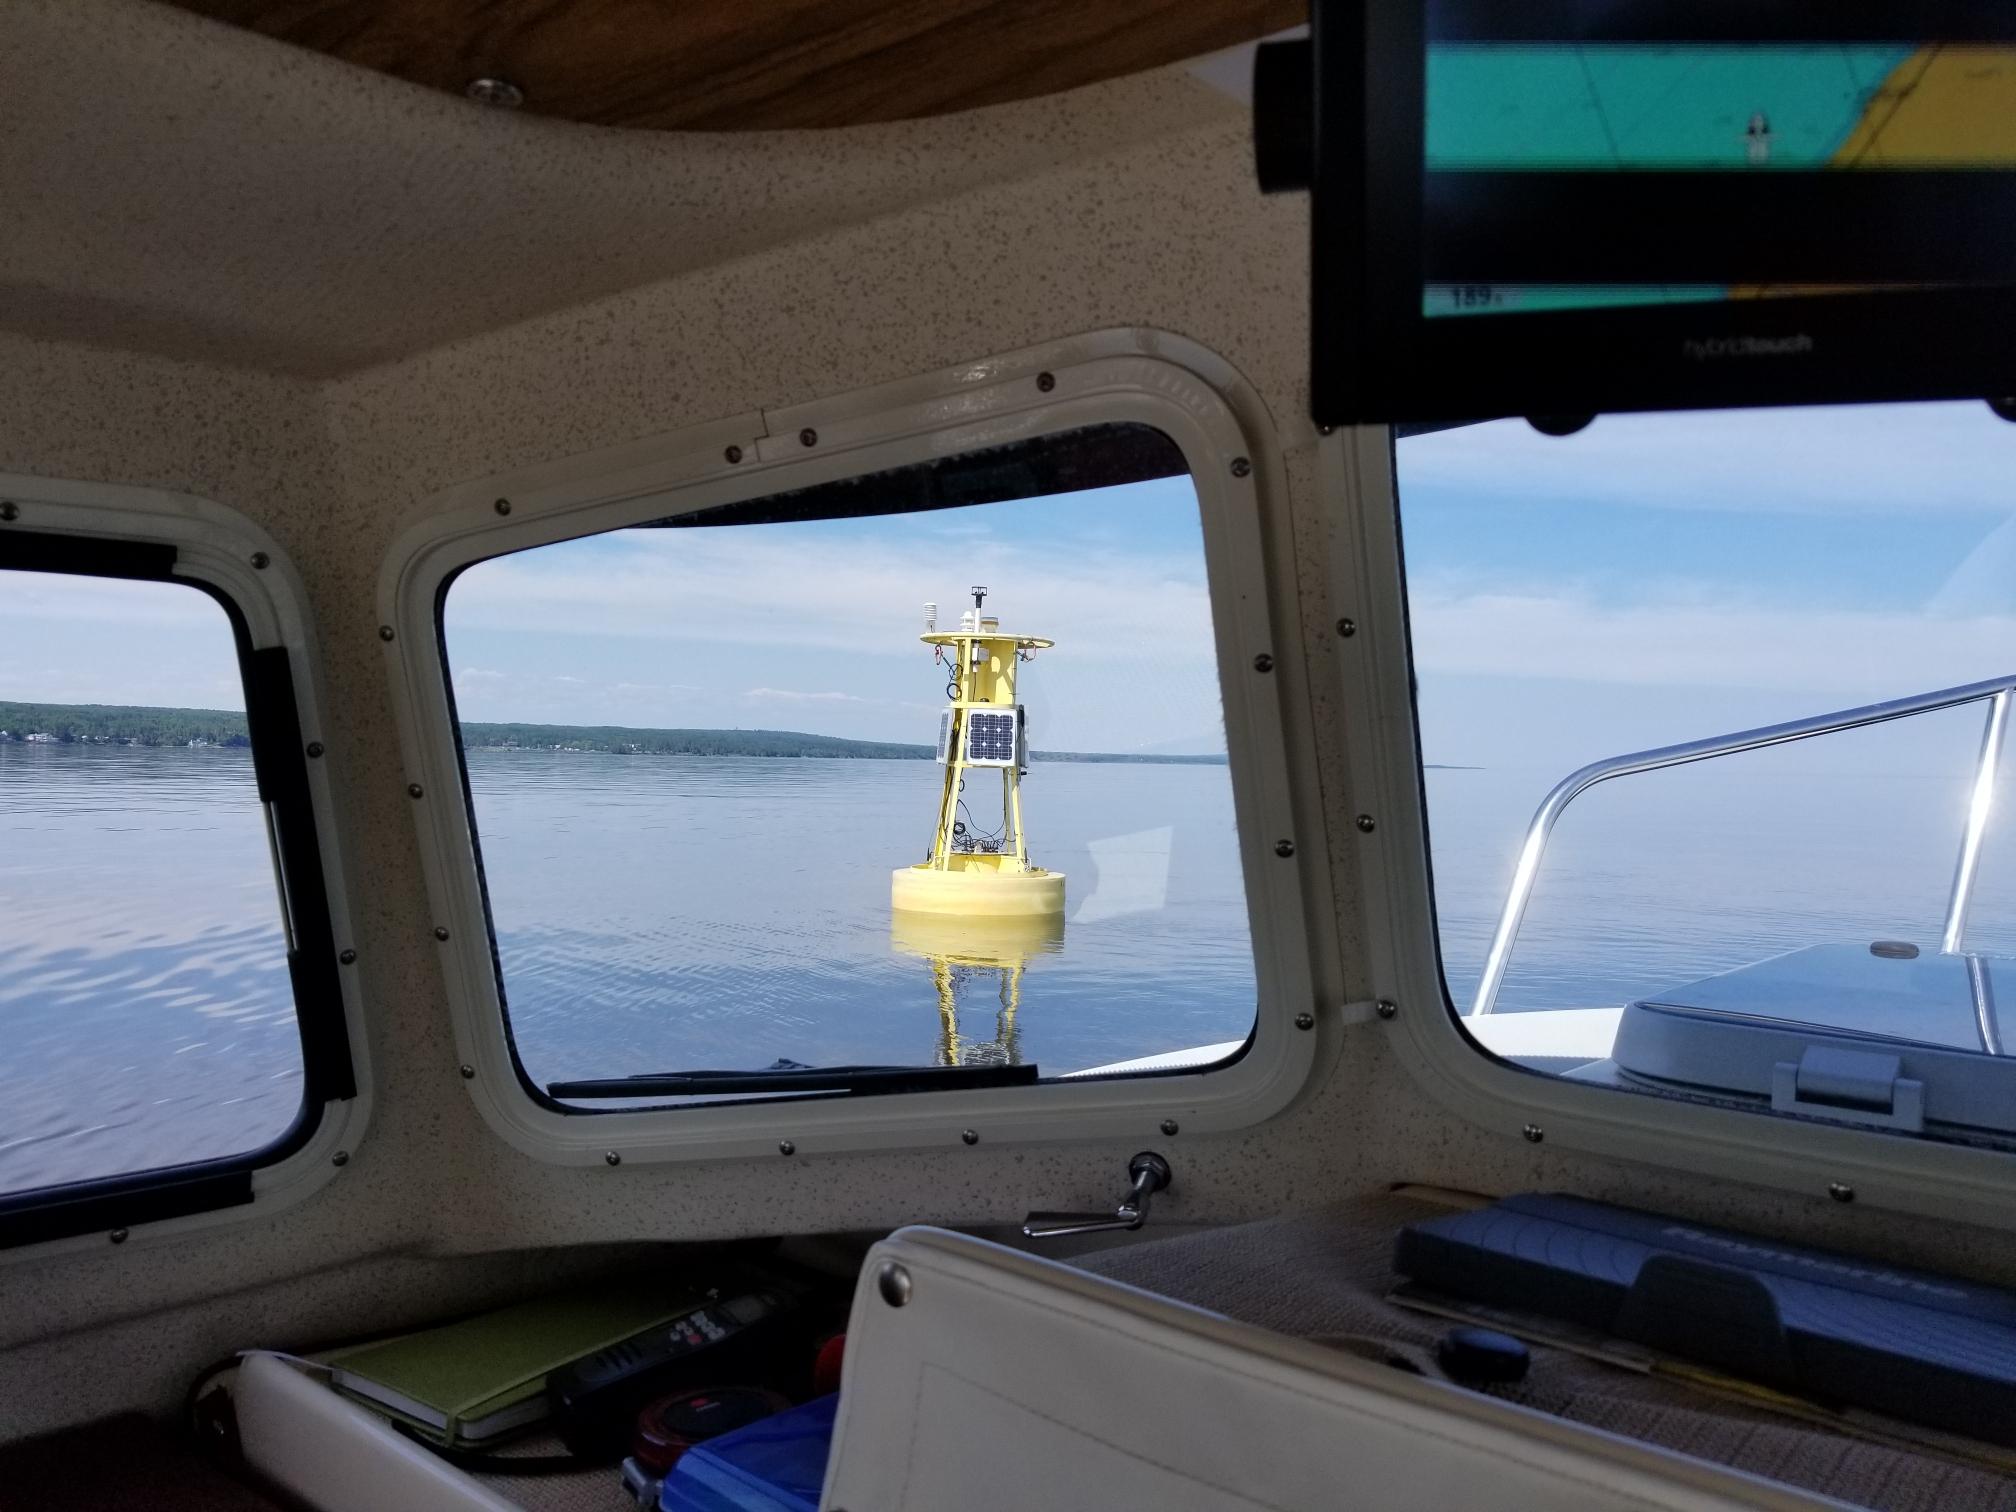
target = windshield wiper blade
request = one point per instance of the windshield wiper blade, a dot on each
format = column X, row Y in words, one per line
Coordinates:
column 843, row 1079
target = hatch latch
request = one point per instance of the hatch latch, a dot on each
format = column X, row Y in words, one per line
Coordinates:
column 1849, row 1086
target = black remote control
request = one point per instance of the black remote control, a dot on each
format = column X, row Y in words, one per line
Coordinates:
column 727, row 1339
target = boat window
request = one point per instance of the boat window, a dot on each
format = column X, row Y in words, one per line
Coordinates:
column 906, row 781
column 1713, row 713
column 146, row 1004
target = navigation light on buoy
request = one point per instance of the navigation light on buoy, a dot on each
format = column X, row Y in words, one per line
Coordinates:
column 979, row 867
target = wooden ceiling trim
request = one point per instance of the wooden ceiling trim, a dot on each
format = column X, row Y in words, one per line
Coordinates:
column 739, row 65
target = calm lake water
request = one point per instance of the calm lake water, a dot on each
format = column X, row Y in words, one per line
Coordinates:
column 665, row 913
column 145, row 1014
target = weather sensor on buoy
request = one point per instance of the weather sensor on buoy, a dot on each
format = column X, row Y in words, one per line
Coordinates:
column 979, row 866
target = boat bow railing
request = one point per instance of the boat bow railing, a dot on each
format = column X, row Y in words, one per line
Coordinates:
column 1997, row 693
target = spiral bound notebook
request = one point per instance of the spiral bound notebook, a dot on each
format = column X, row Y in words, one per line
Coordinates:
column 1923, row 1347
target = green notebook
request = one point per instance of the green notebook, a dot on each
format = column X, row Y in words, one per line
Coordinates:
column 469, row 1383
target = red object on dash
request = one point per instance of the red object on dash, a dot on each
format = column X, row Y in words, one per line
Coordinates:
column 673, row 1424
column 826, row 1366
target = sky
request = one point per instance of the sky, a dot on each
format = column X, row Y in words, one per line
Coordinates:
column 1651, row 579
column 1664, row 577
column 80, row 640
column 807, row 627
column 813, row 626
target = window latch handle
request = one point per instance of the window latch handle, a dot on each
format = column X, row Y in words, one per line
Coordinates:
column 1147, row 1173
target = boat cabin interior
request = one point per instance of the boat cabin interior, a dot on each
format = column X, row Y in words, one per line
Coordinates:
column 859, row 756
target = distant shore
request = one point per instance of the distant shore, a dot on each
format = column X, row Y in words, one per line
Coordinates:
column 118, row 724
column 122, row 725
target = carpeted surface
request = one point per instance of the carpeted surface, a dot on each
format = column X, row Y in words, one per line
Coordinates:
column 585, row 1491
column 597, row 1489
column 1327, row 1273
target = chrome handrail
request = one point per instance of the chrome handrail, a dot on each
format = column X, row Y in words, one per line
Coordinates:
column 1981, row 801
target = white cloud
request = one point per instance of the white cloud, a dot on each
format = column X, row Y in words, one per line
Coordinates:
column 834, row 696
column 1887, row 459
column 816, row 627
column 757, row 587
column 1704, row 642
column 40, row 598
column 169, row 678
column 104, row 640
column 792, row 695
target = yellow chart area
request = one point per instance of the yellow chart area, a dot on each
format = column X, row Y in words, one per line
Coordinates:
column 1945, row 107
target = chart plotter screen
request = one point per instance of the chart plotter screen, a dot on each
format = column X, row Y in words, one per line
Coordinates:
column 1511, row 125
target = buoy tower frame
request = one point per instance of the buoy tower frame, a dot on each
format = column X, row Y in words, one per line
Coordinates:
column 983, row 727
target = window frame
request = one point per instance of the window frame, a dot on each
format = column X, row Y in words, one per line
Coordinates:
column 1222, row 430
column 1357, row 469
column 146, row 534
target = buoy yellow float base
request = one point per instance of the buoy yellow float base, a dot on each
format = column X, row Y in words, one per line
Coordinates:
column 976, row 887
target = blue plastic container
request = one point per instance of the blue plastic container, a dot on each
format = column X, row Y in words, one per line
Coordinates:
column 777, row 1465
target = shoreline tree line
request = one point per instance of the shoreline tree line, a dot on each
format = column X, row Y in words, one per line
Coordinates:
column 128, row 725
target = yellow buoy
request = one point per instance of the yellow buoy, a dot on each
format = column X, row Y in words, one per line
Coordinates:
column 970, row 873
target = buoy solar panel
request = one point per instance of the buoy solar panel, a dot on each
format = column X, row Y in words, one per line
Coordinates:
column 990, row 739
